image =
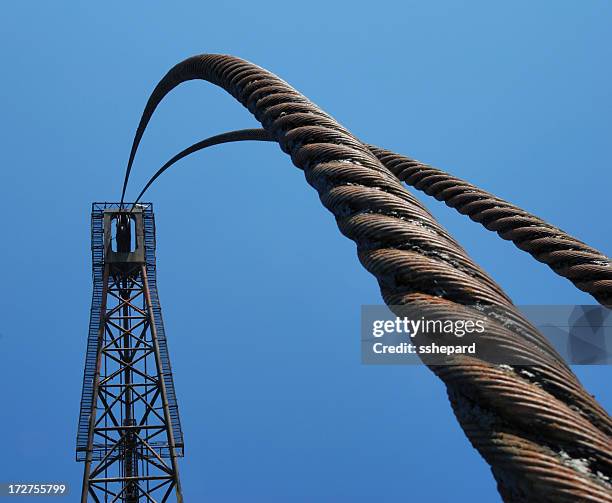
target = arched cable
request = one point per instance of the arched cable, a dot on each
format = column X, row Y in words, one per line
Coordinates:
column 545, row 437
column 587, row 268
column 229, row 137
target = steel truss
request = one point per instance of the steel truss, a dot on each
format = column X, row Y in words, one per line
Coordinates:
column 133, row 433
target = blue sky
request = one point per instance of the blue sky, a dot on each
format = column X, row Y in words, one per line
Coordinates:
column 261, row 294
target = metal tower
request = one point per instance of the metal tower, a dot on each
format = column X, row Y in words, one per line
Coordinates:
column 129, row 432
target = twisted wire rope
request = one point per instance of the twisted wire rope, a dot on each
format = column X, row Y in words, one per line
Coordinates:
column 544, row 436
column 587, row 268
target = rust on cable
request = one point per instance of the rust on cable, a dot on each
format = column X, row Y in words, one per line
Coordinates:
column 544, row 436
column 587, row 268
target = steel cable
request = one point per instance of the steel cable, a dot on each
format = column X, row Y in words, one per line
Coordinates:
column 544, row 436
column 587, row 268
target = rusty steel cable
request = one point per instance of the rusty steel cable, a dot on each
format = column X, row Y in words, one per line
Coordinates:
column 545, row 438
column 587, row 268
